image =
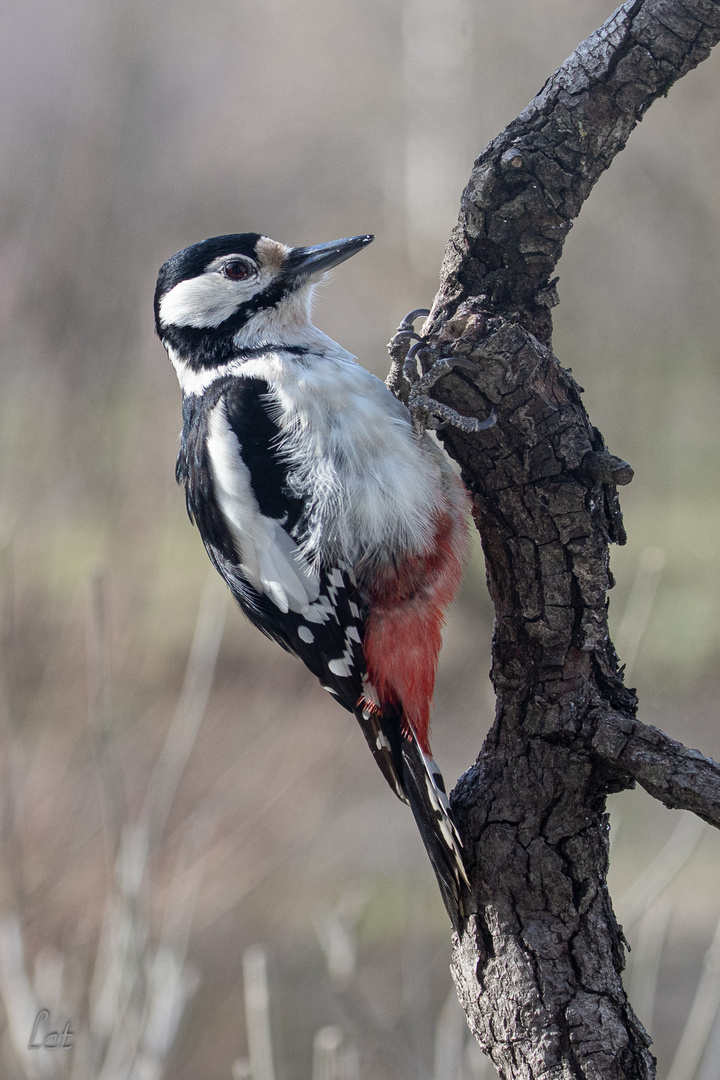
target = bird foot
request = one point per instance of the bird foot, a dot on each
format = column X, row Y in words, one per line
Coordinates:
column 413, row 388
column 398, row 349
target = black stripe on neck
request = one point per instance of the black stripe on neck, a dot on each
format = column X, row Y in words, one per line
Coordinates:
column 209, row 346
column 210, row 351
column 272, row 346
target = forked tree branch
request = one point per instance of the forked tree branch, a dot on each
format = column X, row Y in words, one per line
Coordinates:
column 538, row 965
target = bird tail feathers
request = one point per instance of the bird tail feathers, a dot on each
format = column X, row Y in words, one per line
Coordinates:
column 415, row 778
column 425, row 790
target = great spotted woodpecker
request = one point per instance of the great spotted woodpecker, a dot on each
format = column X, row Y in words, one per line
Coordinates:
column 339, row 528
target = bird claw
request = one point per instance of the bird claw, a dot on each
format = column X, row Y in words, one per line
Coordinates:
column 462, row 363
column 409, row 368
column 435, row 416
column 406, row 329
column 432, row 414
column 397, row 380
column 412, row 388
column 409, row 320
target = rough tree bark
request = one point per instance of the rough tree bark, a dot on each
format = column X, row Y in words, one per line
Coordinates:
column 538, row 965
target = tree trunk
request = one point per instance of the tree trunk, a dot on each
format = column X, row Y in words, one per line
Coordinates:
column 538, row 966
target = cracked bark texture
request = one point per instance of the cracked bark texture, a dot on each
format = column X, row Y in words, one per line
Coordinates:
column 538, row 966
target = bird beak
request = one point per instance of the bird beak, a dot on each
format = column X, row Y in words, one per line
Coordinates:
column 304, row 262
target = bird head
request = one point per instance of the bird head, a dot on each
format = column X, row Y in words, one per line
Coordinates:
column 240, row 290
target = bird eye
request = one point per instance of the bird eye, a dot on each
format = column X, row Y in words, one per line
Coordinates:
column 236, row 271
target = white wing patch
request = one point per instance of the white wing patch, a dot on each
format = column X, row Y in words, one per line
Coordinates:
column 343, row 667
column 269, row 558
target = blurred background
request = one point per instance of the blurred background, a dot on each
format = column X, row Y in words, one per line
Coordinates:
column 203, row 870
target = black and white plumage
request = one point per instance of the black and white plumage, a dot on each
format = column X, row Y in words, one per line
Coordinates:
column 340, row 531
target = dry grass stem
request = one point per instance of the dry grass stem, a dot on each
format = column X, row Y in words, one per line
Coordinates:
column 257, row 1014
column 190, row 710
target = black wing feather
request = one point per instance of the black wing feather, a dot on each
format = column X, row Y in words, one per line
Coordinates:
column 258, row 436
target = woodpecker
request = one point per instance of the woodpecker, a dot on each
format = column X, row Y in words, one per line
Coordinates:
column 340, row 529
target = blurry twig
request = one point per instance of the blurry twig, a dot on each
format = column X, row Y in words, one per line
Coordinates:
column 337, row 931
column 138, row 997
column 112, row 798
column 21, row 1005
column 190, row 710
column 19, row 1000
column 12, row 881
column 170, row 982
column 326, row 1045
column 644, row 901
column 634, row 622
column 382, row 1041
column 138, row 991
column 139, row 994
column 257, row 1014
column 334, row 1057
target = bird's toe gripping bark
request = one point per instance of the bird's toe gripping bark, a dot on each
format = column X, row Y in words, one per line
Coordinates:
column 413, row 388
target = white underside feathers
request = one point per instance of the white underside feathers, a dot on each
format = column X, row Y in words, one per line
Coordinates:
column 370, row 488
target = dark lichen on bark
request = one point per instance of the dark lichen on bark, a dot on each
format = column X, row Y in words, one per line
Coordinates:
column 538, row 967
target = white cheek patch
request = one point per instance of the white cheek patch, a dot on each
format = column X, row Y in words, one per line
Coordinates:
column 207, row 300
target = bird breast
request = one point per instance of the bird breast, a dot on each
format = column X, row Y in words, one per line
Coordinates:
column 371, row 489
